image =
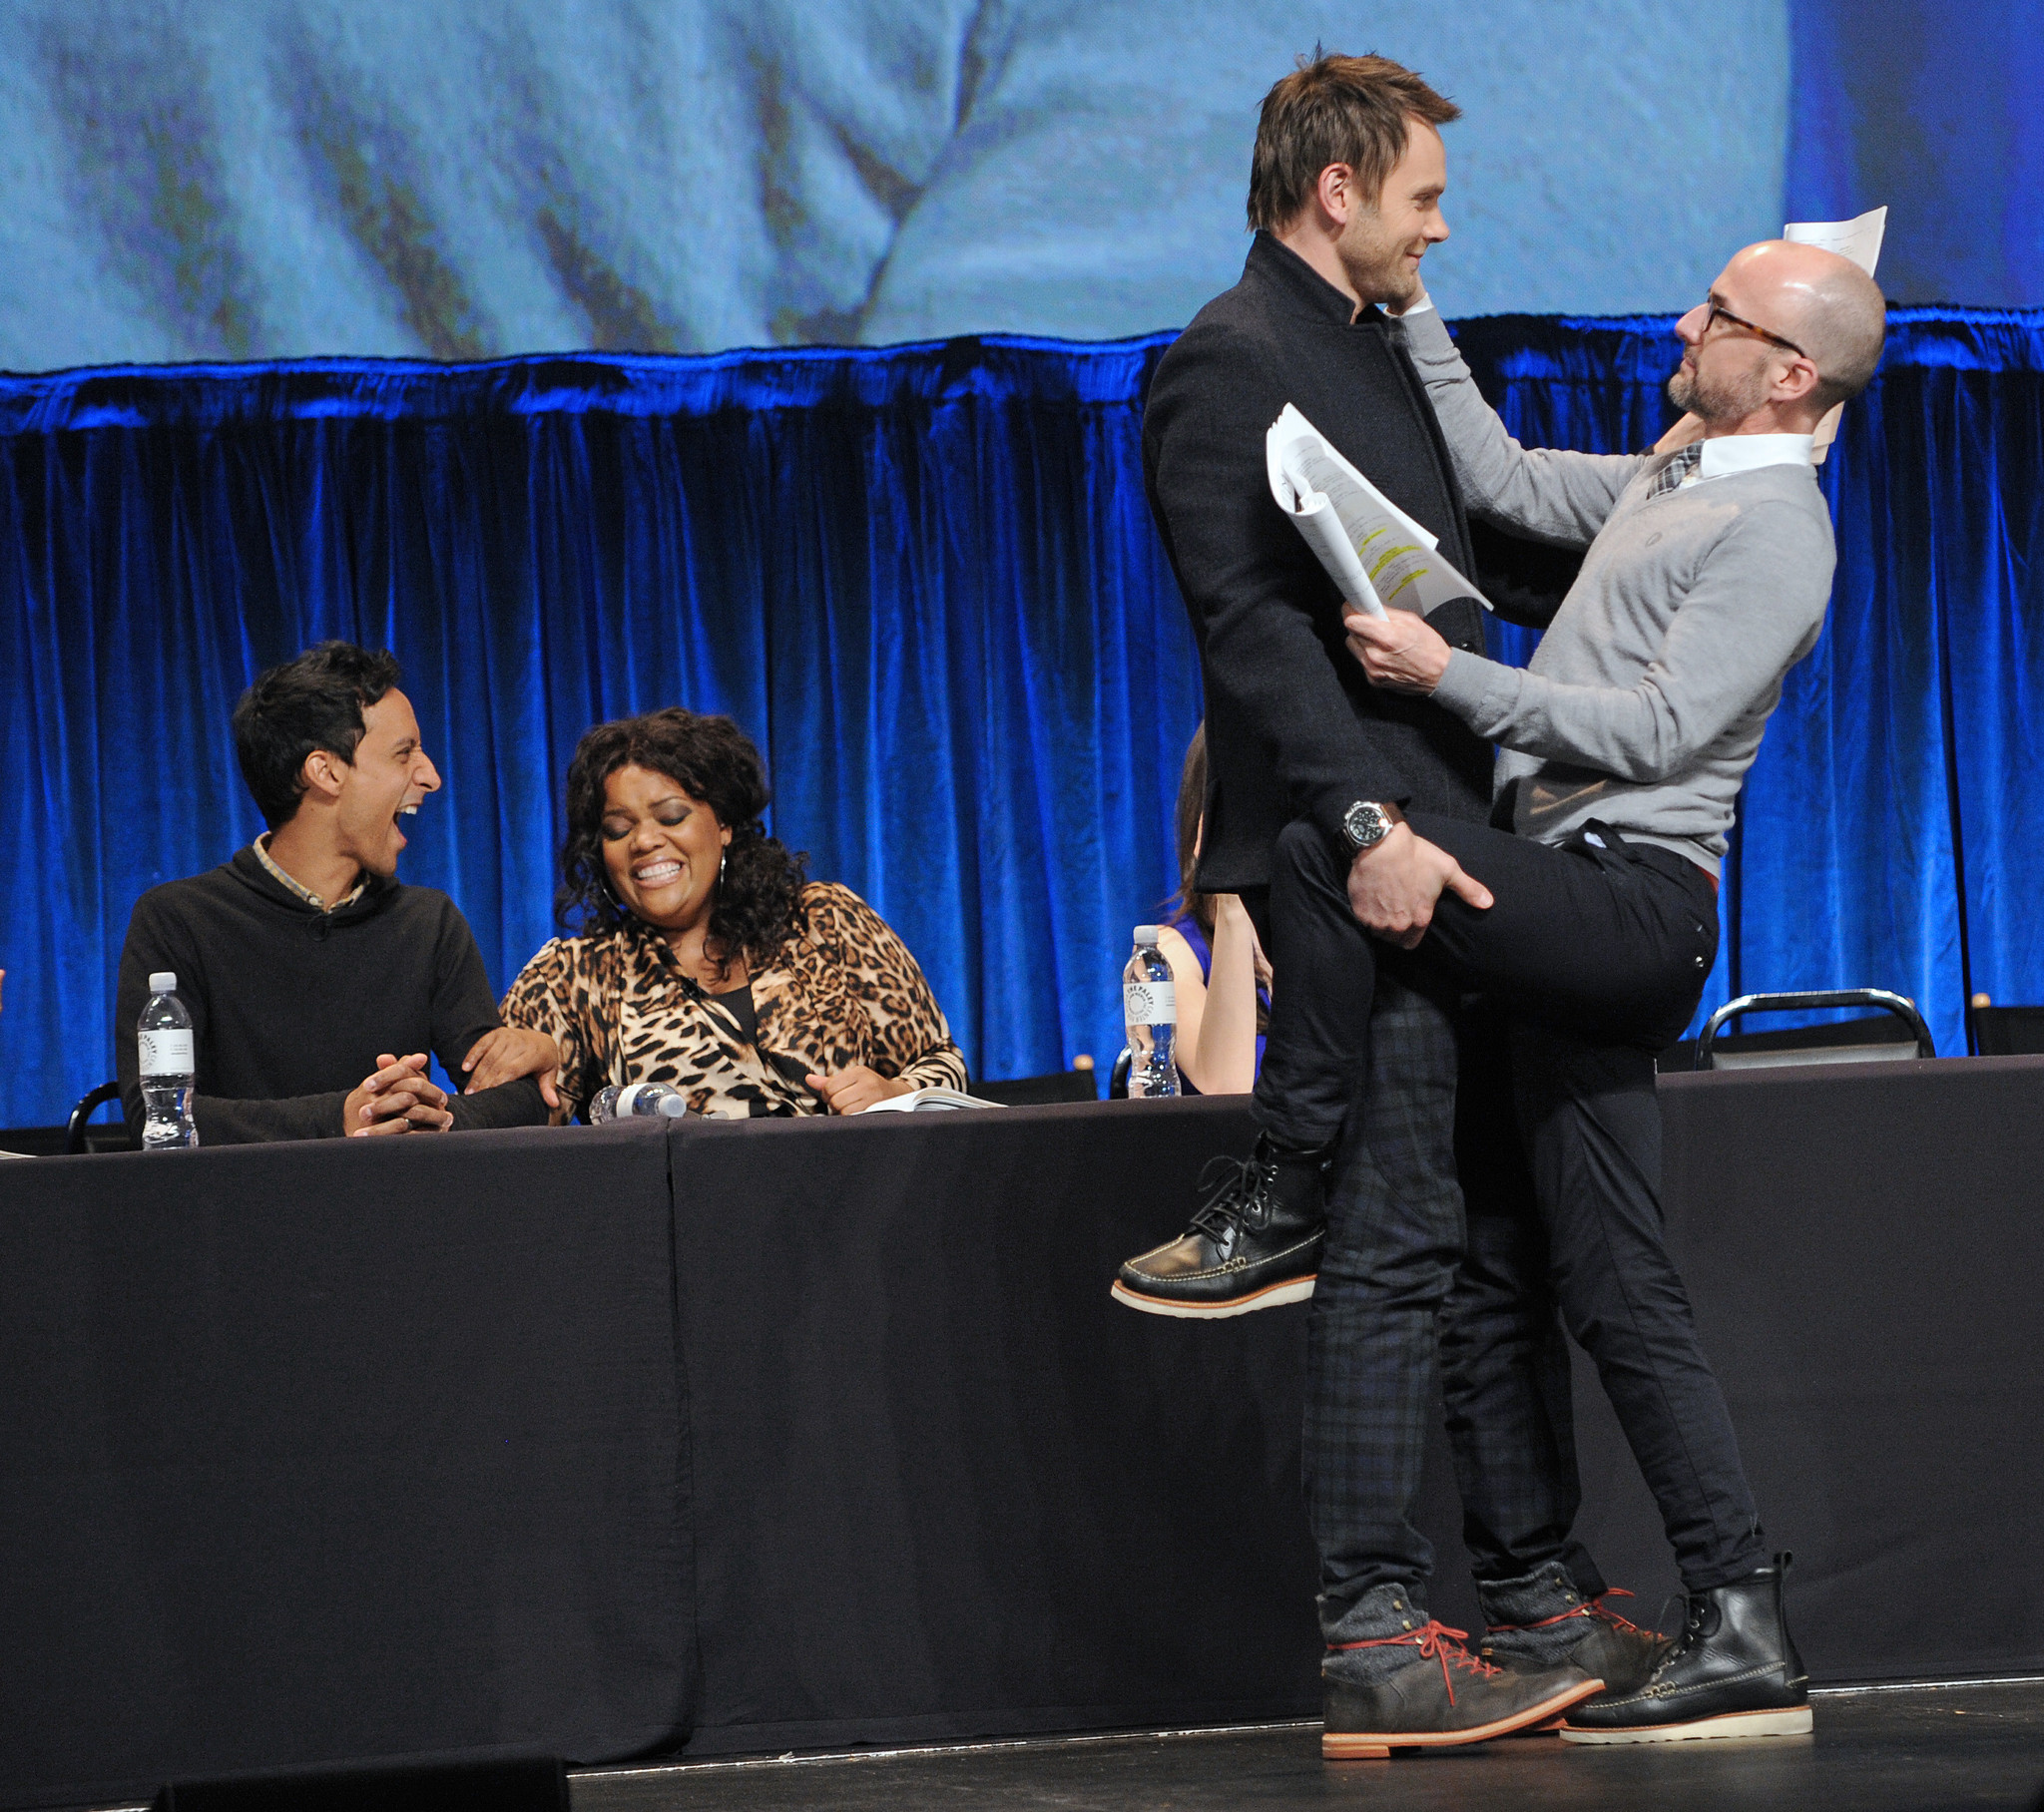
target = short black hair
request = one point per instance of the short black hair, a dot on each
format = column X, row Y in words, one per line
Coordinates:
column 314, row 701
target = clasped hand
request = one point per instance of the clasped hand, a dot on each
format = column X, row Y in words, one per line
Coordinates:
column 1401, row 651
column 397, row 1099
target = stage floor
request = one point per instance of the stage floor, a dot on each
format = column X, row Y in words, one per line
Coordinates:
column 1883, row 1749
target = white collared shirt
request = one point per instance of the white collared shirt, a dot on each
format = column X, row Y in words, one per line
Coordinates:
column 1724, row 454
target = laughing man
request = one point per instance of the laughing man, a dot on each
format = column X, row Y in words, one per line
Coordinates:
column 317, row 981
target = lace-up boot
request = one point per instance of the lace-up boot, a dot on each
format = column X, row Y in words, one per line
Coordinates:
column 1733, row 1671
column 1442, row 1697
column 1543, row 1622
column 1254, row 1244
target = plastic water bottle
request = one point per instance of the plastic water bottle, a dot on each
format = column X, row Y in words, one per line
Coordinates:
column 1149, row 1005
column 164, row 1037
column 637, row 1100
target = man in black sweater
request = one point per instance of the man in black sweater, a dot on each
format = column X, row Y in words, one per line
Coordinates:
column 1344, row 190
column 316, row 982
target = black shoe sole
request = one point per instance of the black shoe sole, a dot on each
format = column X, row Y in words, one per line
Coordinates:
column 1271, row 1296
column 1791, row 1720
column 1376, row 1745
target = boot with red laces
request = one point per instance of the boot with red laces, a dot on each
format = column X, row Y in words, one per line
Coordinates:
column 1442, row 1697
column 1585, row 1632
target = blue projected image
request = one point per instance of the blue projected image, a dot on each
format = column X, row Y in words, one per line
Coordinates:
column 261, row 179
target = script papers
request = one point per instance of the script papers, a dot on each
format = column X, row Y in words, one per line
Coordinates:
column 1375, row 554
column 1857, row 239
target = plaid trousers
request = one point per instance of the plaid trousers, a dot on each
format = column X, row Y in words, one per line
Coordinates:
column 1413, row 1287
column 1400, row 1247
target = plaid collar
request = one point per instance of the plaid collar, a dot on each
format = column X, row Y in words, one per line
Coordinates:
column 303, row 892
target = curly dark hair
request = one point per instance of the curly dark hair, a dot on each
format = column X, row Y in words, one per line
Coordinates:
column 759, row 899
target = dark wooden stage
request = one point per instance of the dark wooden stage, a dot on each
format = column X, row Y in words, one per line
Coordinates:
column 645, row 1447
column 1908, row 1749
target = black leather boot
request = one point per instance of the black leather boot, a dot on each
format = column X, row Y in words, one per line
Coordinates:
column 1255, row 1242
column 1733, row 1671
column 1443, row 1697
column 1590, row 1636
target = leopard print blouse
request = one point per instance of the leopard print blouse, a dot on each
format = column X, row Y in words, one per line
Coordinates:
column 842, row 989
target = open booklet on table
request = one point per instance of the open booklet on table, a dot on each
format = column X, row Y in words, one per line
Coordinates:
column 923, row 1101
column 1375, row 554
column 1858, row 239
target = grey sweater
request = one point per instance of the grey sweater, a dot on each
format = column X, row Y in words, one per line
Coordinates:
column 1646, row 699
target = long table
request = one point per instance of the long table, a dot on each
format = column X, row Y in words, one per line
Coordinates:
column 624, row 1441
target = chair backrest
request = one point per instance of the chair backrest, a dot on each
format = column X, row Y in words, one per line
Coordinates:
column 76, row 1139
column 1118, row 1081
column 1854, row 1042
column 1041, row 1090
column 2007, row 1031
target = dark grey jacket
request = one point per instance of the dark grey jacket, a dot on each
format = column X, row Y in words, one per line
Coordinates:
column 1292, row 726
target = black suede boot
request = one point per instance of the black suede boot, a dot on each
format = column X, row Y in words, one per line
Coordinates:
column 1255, row 1242
column 1443, row 1697
column 1733, row 1671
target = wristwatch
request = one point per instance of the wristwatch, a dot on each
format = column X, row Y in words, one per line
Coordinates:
column 1365, row 824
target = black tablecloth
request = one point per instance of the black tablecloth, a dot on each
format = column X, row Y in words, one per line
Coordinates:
column 762, row 1436
column 944, row 1483
column 368, row 1447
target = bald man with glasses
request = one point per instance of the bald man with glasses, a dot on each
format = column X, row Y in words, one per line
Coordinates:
column 1623, row 747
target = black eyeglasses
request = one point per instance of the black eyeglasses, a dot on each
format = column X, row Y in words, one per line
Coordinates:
column 1715, row 310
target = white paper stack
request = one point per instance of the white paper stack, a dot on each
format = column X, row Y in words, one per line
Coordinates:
column 1858, row 239
column 1374, row 553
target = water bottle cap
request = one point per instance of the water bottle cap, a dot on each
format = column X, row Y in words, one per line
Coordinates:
column 1146, row 935
column 163, row 981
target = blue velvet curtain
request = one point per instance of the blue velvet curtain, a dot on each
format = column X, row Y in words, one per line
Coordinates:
column 926, row 581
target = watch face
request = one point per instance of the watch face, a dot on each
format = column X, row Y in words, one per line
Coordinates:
column 1365, row 824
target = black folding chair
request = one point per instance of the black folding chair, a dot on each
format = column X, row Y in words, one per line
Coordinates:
column 80, row 1139
column 1861, row 1040
column 1118, row 1079
column 2005, row 1031
column 1079, row 1083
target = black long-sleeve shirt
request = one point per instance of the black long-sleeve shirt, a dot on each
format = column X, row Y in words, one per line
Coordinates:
column 291, row 1006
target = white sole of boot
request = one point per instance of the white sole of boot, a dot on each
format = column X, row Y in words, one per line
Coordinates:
column 1293, row 1289
column 1792, row 1722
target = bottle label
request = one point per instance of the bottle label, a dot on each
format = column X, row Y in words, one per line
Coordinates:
column 166, row 1053
column 1150, row 1003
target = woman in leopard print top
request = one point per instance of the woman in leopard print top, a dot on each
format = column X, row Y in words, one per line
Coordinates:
column 703, row 958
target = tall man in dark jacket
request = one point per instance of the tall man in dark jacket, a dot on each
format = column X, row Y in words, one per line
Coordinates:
column 316, row 982
column 1344, row 192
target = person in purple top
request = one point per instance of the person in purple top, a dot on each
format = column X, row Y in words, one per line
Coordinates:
column 1223, row 980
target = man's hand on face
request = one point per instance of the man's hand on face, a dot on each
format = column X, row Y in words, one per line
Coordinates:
column 397, row 1099
column 1416, row 300
column 508, row 1052
column 1402, row 651
column 1686, row 431
column 1394, row 887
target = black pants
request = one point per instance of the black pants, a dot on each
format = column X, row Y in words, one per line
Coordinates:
column 1599, row 951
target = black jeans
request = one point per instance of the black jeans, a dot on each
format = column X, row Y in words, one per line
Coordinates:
column 1599, row 952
